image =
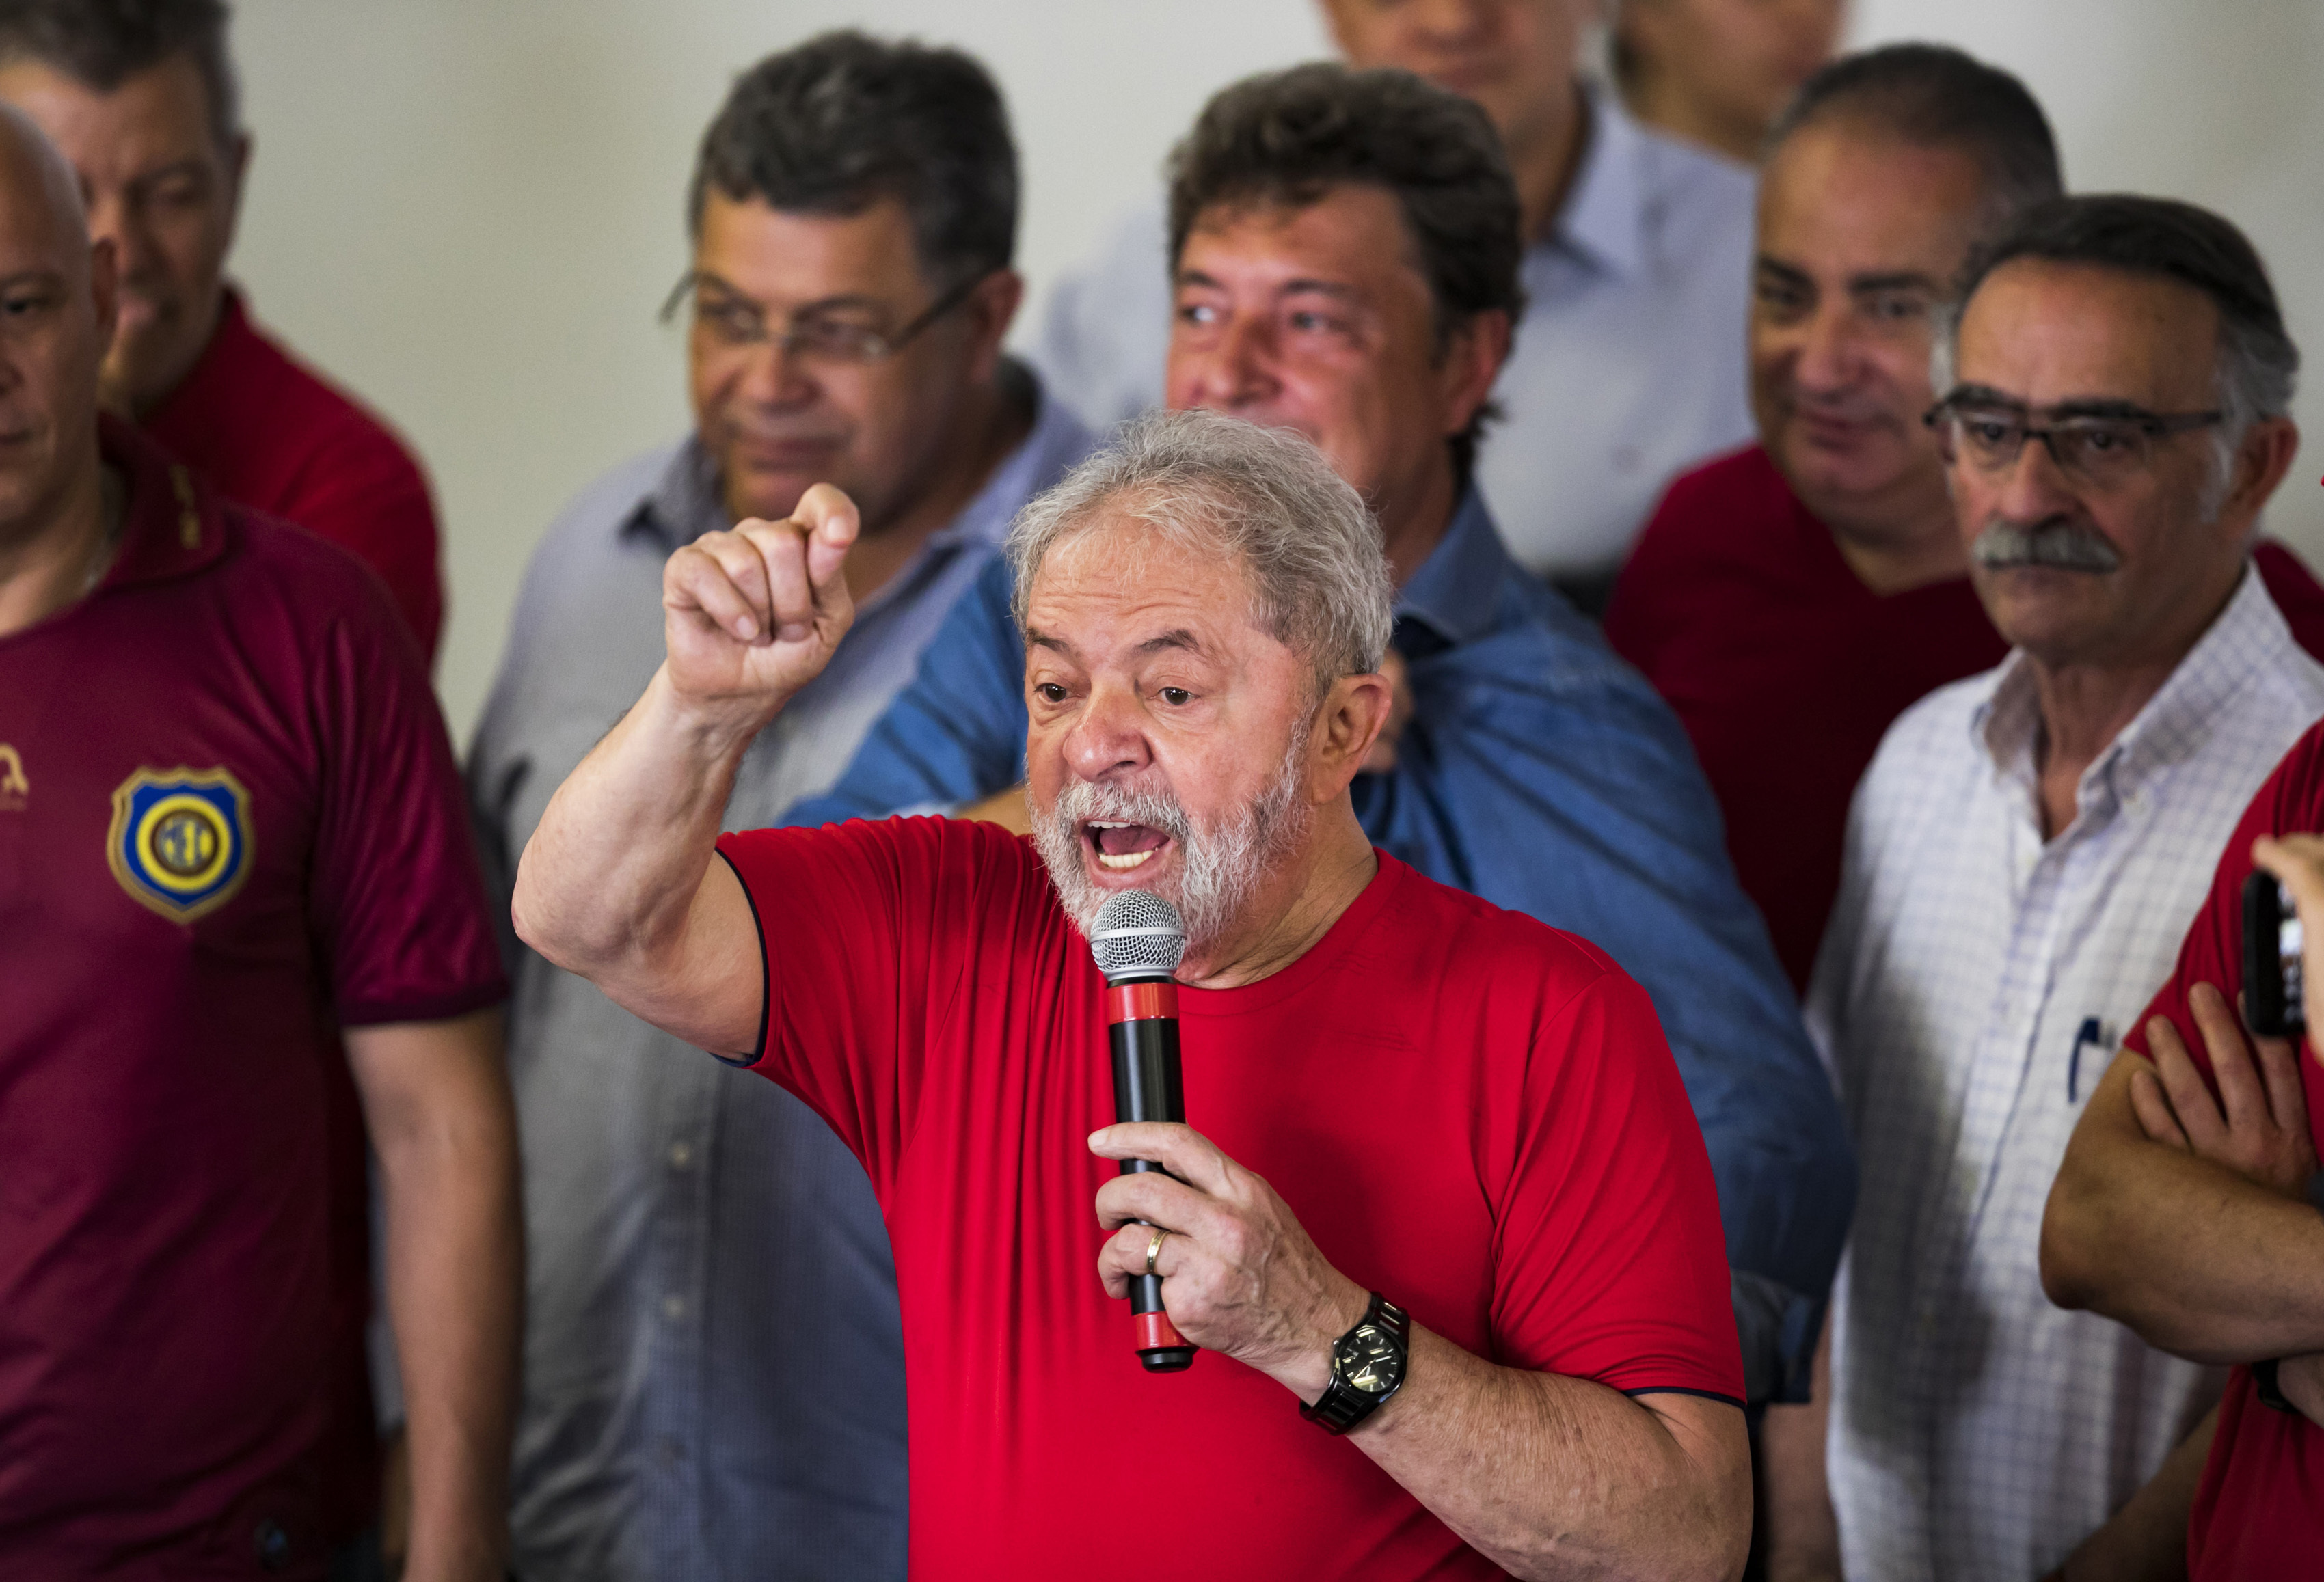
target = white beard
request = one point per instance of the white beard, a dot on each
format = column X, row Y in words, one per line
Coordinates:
column 1219, row 869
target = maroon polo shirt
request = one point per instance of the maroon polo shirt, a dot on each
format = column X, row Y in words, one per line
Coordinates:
column 1787, row 670
column 230, row 825
column 274, row 435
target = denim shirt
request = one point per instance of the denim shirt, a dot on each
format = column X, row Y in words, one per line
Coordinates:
column 1540, row 772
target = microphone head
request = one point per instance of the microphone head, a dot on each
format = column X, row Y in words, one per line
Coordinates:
column 1138, row 935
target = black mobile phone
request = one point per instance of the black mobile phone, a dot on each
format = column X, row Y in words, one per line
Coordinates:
column 2272, row 974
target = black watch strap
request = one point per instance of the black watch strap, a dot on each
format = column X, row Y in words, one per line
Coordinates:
column 2263, row 1384
column 1342, row 1406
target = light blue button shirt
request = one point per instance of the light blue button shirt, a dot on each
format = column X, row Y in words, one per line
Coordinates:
column 714, row 1362
column 1627, row 368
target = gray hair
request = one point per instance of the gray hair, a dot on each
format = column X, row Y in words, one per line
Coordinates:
column 1262, row 496
column 2258, row 365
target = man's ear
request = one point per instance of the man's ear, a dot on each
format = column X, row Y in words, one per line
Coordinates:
column 104, row 291
column 2265, row 456
column 1474, row 355
column 1346, row 724
column 991, row 308
column 237, row 167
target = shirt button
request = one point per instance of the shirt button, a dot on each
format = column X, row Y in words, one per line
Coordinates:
column 681, row 1155
column 673, row 1307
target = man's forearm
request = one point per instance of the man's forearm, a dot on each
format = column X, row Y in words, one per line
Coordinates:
column 2146, row 1540
column 2196, row 1259
column 446, row 1133
column 1559, row 1477
column 611, row 871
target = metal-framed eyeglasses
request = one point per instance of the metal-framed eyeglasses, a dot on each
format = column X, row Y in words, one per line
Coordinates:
column 736, row 323
column 2103, row 446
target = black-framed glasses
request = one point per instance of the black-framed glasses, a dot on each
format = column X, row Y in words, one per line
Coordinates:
column 2098, row 447
column 735, row 322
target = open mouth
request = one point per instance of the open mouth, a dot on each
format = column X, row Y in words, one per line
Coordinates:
column 1120, row 847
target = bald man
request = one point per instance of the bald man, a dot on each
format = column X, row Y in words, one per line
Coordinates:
column 233, row 868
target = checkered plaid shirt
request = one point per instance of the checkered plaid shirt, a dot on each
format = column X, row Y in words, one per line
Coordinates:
column 1973, row 987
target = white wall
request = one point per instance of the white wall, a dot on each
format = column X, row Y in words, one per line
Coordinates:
column 469, row 209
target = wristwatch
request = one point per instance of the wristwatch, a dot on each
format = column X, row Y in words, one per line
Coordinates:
column 1367, row 1367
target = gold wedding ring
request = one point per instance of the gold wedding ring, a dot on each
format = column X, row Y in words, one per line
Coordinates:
column 1154, row 1248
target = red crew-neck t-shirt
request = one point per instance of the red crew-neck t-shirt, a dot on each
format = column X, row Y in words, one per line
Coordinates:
column 1787, row 670
column 270, row 433
column 230, row 825
column 2259, row 1510
column 1469, row 1111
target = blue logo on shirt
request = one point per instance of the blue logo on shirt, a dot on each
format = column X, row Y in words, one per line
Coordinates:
column 180, row 839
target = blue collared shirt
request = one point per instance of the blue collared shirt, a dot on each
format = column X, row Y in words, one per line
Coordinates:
column 714, row 1374
column 1542, row 773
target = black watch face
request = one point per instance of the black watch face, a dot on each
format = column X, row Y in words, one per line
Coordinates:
column 1369, row 1359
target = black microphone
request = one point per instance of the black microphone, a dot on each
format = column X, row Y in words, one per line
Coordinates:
column 1138, row 941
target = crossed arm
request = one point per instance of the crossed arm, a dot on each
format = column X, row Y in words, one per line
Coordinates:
column 2184, row 1217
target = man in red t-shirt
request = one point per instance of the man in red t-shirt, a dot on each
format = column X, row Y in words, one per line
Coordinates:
column 2185, row 1206
column 231, row 833
column 1408, row 1106
column 141, row 100
column 1791, row 600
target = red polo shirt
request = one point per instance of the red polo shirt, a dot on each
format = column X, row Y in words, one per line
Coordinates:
column 230, row 825
column 1787, row 670
column 2259, row 1510
column 1468, row 1112
column 274, row 435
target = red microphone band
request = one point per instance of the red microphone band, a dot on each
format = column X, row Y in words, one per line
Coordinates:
column 1156, row 1001
column 1156, row 1332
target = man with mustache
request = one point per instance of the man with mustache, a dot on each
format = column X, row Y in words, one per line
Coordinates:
column 1791, row 600
column 1425, row 1132
column 1346, row 248
column 2023, row 859
column 713, row 1378
column 142, row 98
column 1636, row 247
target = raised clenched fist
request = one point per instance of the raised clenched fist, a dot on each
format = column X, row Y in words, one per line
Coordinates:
column 752, row 615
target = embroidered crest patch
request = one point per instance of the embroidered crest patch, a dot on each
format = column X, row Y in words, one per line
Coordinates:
column 180, row 839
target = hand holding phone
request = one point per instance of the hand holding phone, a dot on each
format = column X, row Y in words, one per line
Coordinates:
column 2273, row 977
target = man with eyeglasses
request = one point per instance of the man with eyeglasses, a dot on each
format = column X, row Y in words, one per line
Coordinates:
column 2023, row 859
column 714, row 1367
column 1807, row 589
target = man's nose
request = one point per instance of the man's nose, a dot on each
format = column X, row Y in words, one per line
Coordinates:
column 774, row 375
column 1237, row 370
column 1830, row 356
column 1449, row 21
column 113, row 218
column 2033, row 489
column 1108, row 738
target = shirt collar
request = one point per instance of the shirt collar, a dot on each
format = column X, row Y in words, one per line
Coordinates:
column 1603, row 220
column 171, row 525
column 2250, row 635
column 1457, row 589
column 686, row 502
